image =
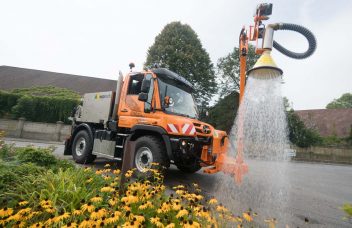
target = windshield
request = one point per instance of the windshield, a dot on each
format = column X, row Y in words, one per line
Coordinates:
column 181, row 99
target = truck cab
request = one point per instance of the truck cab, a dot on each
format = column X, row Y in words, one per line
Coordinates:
column 155, row 109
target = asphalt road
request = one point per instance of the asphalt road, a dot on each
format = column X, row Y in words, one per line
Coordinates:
column 301, row 194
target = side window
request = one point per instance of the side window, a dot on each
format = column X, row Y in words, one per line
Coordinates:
column 134, row 87
column 148, row 104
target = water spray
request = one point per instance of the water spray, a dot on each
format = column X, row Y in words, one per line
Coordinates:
column 265, row 68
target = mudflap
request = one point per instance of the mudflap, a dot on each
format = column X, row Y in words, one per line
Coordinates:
column 68, row 145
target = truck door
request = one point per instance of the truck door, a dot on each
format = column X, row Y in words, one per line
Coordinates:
column 134, row 111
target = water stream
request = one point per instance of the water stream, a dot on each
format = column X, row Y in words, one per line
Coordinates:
column 265, row 187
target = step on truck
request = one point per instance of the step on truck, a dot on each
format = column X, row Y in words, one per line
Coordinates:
column 156, row 109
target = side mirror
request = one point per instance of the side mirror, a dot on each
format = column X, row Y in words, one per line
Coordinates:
column 143, row 97
column 145, row 85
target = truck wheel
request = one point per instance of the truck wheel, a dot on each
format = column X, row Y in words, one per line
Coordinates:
column 82, row 148
column 189, row 168
column 149, row 149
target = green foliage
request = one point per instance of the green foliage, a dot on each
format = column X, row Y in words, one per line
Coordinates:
column 179, row 49
column 44, row 109
column 228, row 69
column 299, row 134
column 222, row 115
column 7, row 101
column 14, row 173
column 47, row 91
column 347, row 208
column 40, row 104
column 65, row 188
column 345, row 101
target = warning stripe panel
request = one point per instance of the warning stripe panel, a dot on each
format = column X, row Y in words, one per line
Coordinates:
column 172, row 128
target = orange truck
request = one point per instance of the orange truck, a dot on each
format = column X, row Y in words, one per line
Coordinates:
column 156, row 109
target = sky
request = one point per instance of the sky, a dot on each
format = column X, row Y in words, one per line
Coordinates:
column 100, row 37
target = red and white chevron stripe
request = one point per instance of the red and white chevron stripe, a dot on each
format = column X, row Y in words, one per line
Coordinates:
column 188, row 129
column 172, row 128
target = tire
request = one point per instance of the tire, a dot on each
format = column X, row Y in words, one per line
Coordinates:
column 82, row 147
column 189, row 168
column 149, row 149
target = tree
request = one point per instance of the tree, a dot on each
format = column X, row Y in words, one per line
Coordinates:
column 228, row 70
column 222, row 115
column 179, row 49
column 345, row 101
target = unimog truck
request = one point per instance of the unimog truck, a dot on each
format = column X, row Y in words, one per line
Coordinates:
column 156, row 109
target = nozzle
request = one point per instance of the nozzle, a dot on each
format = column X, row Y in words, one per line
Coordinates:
column 265, row 67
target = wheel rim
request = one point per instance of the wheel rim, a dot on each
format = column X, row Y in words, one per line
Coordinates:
column 80, row 146
column 143, row 159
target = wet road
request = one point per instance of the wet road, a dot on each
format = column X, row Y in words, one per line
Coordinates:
column 306, row 191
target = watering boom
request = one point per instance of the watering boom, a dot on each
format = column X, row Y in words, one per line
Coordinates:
column 265, row 67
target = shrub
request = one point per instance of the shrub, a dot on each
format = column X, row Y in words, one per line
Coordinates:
column 7, row 101
column 299, row 134
column 39, row 156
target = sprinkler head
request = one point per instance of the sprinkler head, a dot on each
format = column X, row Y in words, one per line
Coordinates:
column 265, row 67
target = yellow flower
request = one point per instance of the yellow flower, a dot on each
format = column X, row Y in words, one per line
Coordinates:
column 70, row 225
column 195, row 185
column 106, row 170
column 77, row 212
column 180, row 192
column 24, row 211
column 23, row 203
column 50, row 210
column 86, row 223
column 113, row 201
column 146, row 205
column 182, row 213
column 61, row 217
column 4, row 212
column 37, row 224
column 96, row 199
column 139, row 218
column 107, row 178
column 271, row 222
column 129, row 199
column 247, row 217
column 107, row 165
column 213, row 201
column 87, row 207
column 191, row 224
column 154, row 220
column 86, row 169
column 98, row 213
column 179, row 187
column 99, row 171
column 128, row 173
column 116, row 171
column 89, row 180
column 221, row 208
column 45, row 204
column 171, row 225
column 107, row 189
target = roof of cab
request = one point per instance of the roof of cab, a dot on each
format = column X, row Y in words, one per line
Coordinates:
column 171, row 75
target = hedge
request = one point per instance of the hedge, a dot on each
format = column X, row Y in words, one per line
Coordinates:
column 48, row 108
column 7, row 101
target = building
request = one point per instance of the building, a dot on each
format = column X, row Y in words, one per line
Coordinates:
column 328, row 122
column 15, row 77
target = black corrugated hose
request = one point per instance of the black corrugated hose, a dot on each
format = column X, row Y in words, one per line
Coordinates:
column 305, row 32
